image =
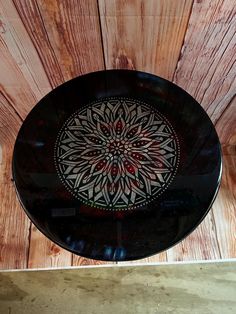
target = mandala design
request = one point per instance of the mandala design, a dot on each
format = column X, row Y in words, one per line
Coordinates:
column 116, row 154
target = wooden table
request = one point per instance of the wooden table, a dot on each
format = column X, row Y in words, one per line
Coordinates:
column 45, row 43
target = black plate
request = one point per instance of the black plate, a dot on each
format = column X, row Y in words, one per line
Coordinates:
column 117, row 165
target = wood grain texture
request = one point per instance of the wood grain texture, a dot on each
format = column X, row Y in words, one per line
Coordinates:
column 43, row 253
column 23, row 83
column 14, row 225
column 225, row 126
column 206, row 69
column 10, row 122
column 68, row 31
column 22, row 77
column 134, row 35
column 66, row 35
column 207, row 66
column 44, row 43
column 14, row 230
column 144, row 35
column 157, row 258
column 201, row 244
column 224, row 208
column 83, row 261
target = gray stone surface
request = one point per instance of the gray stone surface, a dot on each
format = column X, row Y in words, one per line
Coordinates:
column 190, row 288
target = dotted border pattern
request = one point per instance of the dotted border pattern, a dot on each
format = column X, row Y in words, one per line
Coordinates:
column 138, row 102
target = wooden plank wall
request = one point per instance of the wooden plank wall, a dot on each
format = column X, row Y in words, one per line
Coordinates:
column 45, row 43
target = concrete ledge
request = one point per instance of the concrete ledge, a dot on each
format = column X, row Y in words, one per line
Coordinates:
column 177, row 288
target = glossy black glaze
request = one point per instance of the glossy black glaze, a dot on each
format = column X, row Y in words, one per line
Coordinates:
column 117, row 235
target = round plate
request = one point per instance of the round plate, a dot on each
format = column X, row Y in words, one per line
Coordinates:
column 117, row 165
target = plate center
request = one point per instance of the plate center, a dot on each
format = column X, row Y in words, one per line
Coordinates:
column 116, row 154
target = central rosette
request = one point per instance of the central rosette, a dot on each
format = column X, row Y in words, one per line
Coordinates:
column 117, row 147
column 116, row 154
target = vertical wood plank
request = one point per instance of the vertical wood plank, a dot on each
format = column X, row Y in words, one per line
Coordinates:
column 14, row 225
column 225, row 125
column 206, row 69
column 82, row 261
column 157, row 258
column 66, row 35
column 74, row 33
column 201, row 244
column 23, row 82
column 22, row 76
column 13, row 84
column 207, row 66
column 224, row 208
column 10, row 123
column 14, row 230
column 43, row 253
column 144, row 35
column 31, row 17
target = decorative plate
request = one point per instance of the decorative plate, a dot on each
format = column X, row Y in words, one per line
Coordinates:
column 117, row 165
